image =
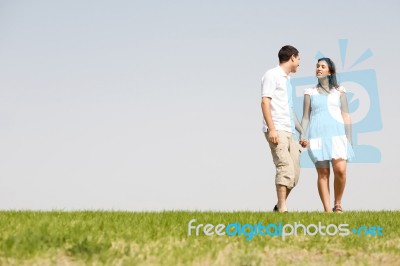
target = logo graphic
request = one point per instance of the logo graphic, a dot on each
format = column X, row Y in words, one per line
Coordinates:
column 250, row 230
column 363, row 100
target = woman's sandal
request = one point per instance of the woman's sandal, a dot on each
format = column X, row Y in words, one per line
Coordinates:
column 337, row 208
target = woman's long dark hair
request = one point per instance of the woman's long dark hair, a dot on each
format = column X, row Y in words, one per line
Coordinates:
column 332, row 77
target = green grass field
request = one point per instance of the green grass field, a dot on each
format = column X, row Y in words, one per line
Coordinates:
column 161, row 238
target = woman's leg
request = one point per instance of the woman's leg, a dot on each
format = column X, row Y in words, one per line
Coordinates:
column 323, row 183
column 339, row 170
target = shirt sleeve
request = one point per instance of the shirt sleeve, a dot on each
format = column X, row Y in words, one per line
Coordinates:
column 308, row 91
column 268, row 85
column 342, row 89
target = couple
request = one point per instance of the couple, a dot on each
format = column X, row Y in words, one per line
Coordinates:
column 325, row 129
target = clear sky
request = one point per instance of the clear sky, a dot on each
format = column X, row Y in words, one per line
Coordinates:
column 152, row 105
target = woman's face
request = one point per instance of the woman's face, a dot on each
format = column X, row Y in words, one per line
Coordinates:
column 322, row 69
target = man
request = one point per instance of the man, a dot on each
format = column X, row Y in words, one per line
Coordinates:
column 280, row 123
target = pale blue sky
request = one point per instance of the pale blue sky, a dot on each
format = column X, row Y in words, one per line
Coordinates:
column 151, row 105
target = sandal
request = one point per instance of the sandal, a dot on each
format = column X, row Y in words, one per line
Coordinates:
column 277, row 210
column 337, row 208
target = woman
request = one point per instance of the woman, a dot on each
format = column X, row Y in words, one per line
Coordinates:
column 325, row 112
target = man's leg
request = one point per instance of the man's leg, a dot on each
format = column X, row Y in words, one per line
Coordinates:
column 295, row 153
column 284, row 179
column 282, row 193
column 287, row 192
column 276, row 209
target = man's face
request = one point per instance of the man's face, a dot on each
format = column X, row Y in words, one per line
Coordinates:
column 295, row 62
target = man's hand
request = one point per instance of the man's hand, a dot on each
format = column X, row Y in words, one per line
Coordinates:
column 273, row 136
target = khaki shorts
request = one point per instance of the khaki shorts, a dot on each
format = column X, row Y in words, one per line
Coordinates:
column 286, row 156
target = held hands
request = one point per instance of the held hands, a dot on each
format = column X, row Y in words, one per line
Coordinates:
column 303, row 142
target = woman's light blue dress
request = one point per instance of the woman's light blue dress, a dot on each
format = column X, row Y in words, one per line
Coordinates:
column 326, row 132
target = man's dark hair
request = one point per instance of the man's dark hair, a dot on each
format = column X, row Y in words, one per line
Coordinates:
column 286, row 52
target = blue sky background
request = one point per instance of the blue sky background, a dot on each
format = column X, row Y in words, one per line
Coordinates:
column 152, row 105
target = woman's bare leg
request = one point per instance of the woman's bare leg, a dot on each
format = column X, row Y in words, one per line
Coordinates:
column 339, row 170
column 323, row 171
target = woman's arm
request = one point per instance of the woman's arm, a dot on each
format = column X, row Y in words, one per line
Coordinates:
column 306, row 116
column 297, row 123
column 344, row 107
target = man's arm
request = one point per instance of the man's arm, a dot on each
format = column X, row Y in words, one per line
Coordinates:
column 266, row 110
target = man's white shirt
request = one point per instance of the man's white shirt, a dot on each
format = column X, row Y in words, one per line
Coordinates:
column 275, row 84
